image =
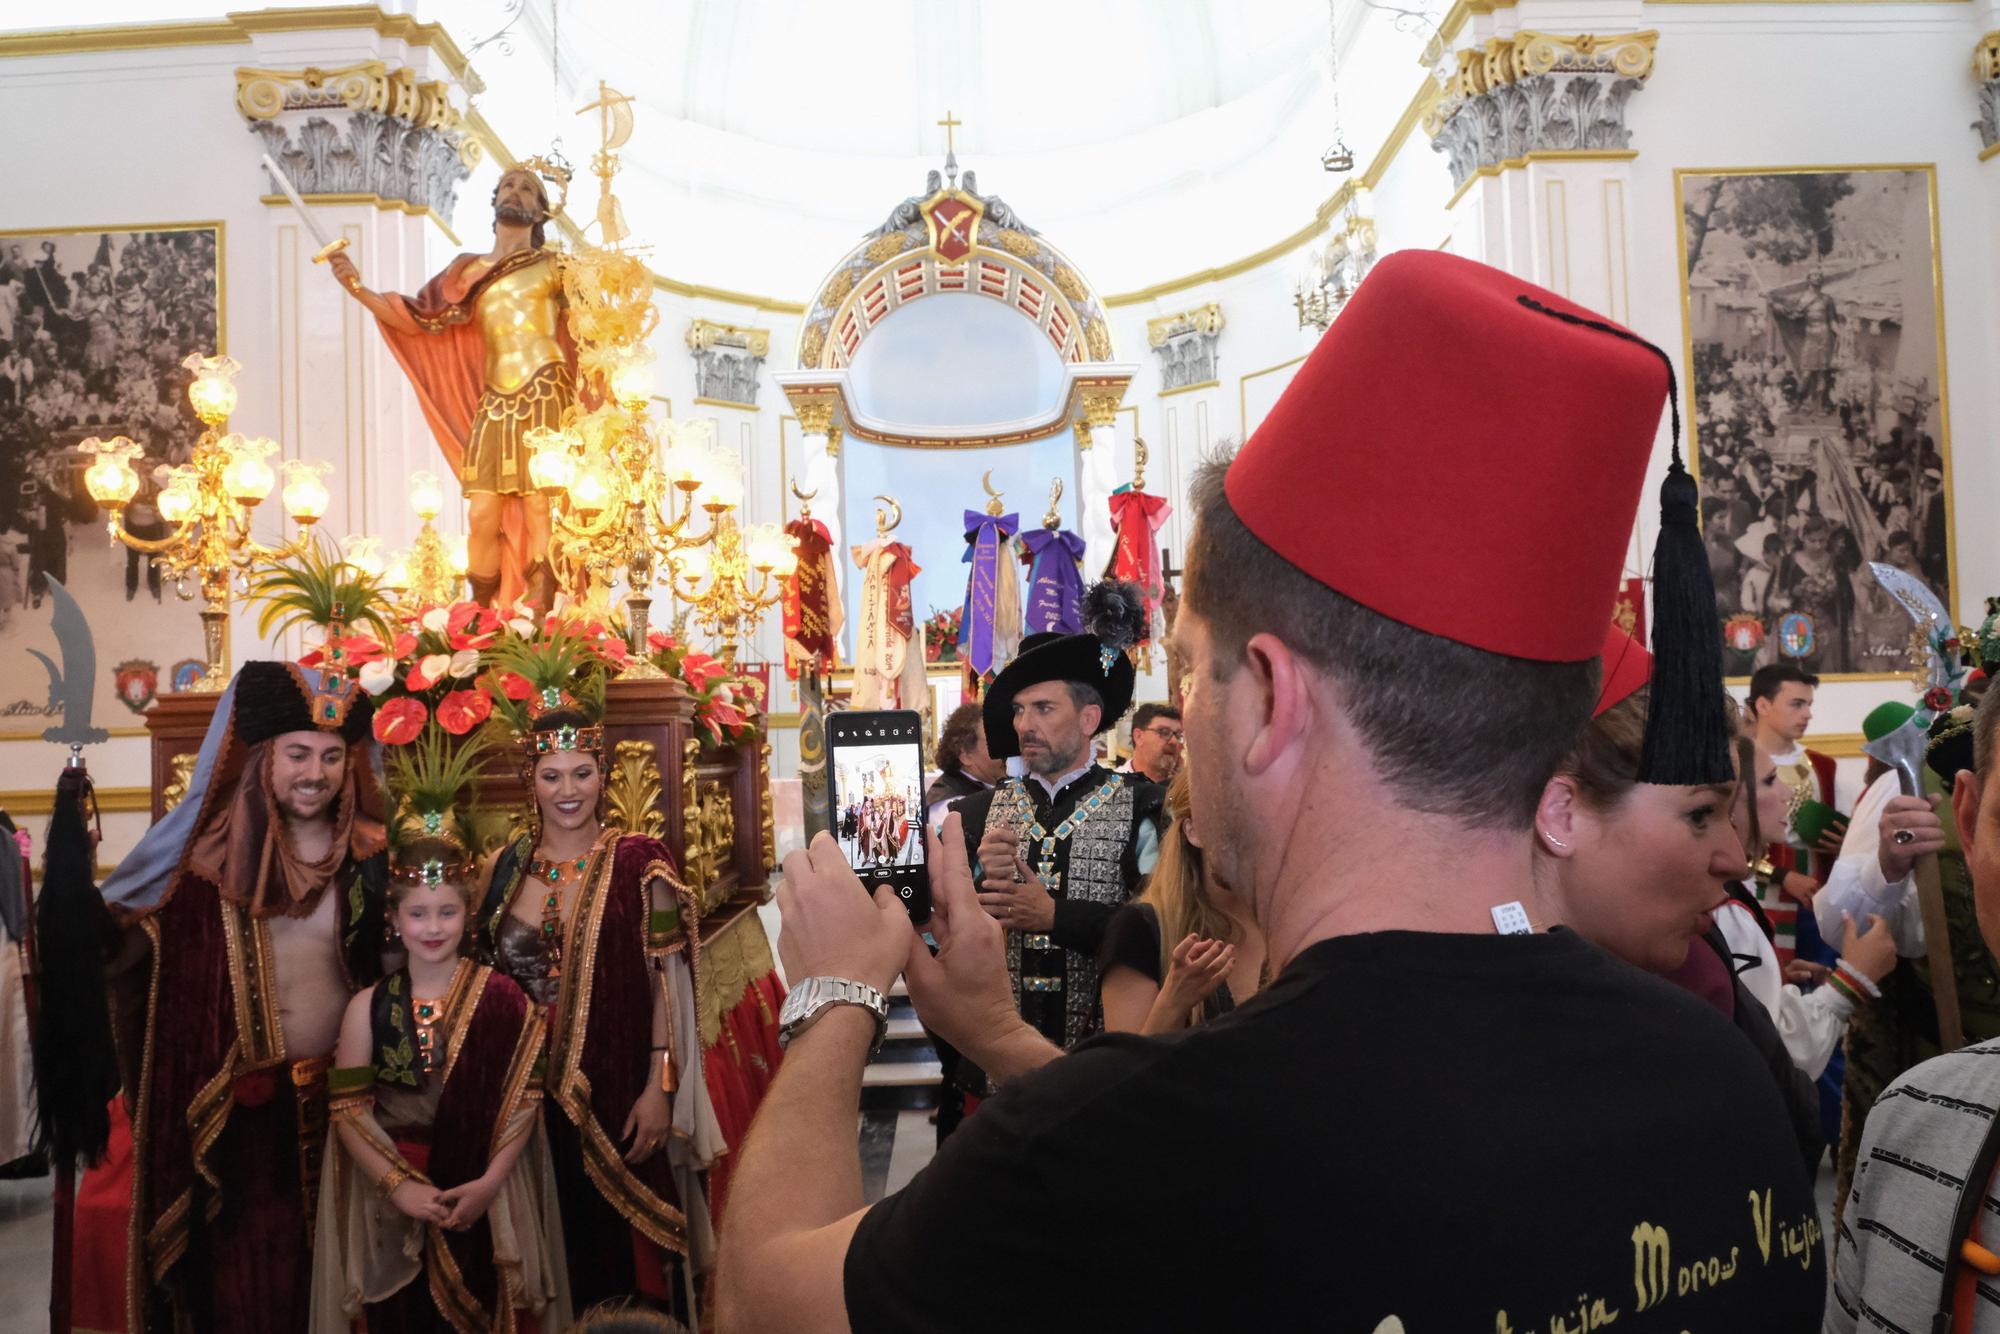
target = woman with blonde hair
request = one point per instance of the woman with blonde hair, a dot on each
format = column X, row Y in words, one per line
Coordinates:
column 1186, row 950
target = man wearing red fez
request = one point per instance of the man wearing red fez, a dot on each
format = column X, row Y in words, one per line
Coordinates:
column 1440, row 1115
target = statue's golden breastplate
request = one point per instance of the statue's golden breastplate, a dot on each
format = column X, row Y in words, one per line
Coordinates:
column 517, row 319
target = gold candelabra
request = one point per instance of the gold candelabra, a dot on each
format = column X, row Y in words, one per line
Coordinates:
column 432, row 572
column 729, row 587
column 208, row 502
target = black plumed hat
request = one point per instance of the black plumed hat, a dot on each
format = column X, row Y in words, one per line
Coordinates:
column 1099, row 658
column 1950, row 748
column 273, row 698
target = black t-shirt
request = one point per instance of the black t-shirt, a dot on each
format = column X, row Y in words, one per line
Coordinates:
column 1470, row 1133
column 1132, row 940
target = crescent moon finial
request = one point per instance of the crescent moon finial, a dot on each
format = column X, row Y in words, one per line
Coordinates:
column 804, row 496
column 993, row 505
column 887, row 522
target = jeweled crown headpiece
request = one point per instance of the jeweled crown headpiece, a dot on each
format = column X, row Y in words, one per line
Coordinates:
column 564, row 706
column 430, row 839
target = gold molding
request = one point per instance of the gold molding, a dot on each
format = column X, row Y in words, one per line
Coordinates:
column 1989, row 151
column 237, row 29
column 729, row 403
column 1986, row 57
column 1201, row 319
column 633, row 788
column 1929, row 170
column 1243, row 397
column 1461, row 13
column 116, row 732
column 265, row 94
column 783, row 722
column 368, row 197
column 1543, row 155
column 110, row 800
column 708, row 333
column 1840, row 745
column 1189, row 388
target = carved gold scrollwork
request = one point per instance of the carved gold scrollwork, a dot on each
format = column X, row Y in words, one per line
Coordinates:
column 815, row 416
column 717, row 824
column 881, row 248
column 1100, row 406
column 767, row 822
column 177, row 785
column 1069, row 283
column 693, row 869
column 837, row 288
column 1986, row 57
column 369, row 86
column 810, row 345
column 1202, row 319
column 632, row 790
column 1018, row 243
column 1098, row 336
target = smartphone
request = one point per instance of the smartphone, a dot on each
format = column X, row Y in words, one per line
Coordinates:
column 876, row 800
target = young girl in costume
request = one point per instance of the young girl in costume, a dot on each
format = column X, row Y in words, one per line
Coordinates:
column 437, row 1209
column 596, row 927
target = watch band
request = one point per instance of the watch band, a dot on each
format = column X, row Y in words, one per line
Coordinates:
column 814, row 996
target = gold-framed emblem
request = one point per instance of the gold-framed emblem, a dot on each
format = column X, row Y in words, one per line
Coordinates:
column 952, row 218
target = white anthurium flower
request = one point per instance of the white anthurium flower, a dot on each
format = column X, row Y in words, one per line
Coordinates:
column 464, row 663
column 434, row 666
column 378, row 676
column 522, row 626
column 437, row 620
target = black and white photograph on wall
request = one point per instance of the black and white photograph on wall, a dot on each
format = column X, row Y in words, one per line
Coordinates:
column 880, row 789
column 1818, row 420
column 94, row 324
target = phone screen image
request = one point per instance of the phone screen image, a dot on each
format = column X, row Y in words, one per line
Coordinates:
column 877, row 814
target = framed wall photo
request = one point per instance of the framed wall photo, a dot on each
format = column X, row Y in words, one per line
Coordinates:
column 94, row 323
column 1812, row 299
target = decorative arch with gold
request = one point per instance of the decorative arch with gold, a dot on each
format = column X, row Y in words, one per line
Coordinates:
column 950, row 242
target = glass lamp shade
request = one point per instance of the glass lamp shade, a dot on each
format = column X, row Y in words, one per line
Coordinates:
column 178, row 500
column 213, row 392
column 722, row 492
column 686, row 459
column 551, row 467
column 768, row 548
column 632, row 379
column 396, row 574
column 305, row 495
column 691, row 565
column 110, row 479
column 364, row 553
column 247, row 477
column 458, row 552
column 591, row 491
column 426, row 494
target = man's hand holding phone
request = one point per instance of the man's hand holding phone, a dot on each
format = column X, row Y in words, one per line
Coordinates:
column 834, row 927
column 962, row 992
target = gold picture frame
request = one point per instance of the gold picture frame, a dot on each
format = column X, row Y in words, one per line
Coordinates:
column 125, row 641
column 1806, row 393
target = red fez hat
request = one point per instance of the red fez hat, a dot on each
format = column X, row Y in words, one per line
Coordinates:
column 1459, row 460
column 1627, row 668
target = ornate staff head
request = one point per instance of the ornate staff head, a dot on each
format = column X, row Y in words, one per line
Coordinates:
column 1053, row 519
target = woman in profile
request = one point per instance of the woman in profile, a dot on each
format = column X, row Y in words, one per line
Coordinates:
column 1186, row 950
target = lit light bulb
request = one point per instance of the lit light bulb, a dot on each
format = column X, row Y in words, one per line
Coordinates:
column 305, row 495
column 246, row 476
column 551, row 465
column 686, row 459
column 692, row 565
column 178, row 498
column 396, row 575
column 592, row 490
column 723, row 487
column 213, row 392
column 768, row 548
column 426, row 494
column 458, row 552
column 631, row 380
column 110, row 480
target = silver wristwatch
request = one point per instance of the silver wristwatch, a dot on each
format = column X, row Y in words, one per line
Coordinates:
column 814, row 996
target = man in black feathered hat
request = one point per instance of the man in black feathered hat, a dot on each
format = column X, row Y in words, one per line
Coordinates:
column 261, row 897
column 1057, row 850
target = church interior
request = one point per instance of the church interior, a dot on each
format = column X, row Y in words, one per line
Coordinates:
column 874, row 334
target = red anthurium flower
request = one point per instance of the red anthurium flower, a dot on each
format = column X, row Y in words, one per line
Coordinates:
column 612, row 649
column 406, row 644
column 462, row 710
column 659, row 641
column 470, row 625
column 428, row 671
column 515, row 686
column 400, row 721
column 362, row 650
column 700, row 669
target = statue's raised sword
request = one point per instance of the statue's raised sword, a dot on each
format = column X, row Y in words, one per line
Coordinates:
column 327, row 247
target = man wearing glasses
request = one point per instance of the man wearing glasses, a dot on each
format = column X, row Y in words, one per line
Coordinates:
column 1156, row 743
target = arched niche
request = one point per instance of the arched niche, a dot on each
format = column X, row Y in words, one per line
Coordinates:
column 952, row 344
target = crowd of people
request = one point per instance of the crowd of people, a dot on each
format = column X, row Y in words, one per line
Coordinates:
column 1444, row 958
column 877, row 827
column 94, row 351
column 1806, row 481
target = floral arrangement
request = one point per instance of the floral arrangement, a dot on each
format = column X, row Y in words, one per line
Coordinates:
column 727, row 707
column 941, row 631
column 430, row 668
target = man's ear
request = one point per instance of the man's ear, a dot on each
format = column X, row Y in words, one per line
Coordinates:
column 1560, row 817
column 1965, row 793
column 1279, row 688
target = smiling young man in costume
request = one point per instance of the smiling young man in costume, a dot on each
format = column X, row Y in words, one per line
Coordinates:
column 261, row 896
column 1389, row 659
